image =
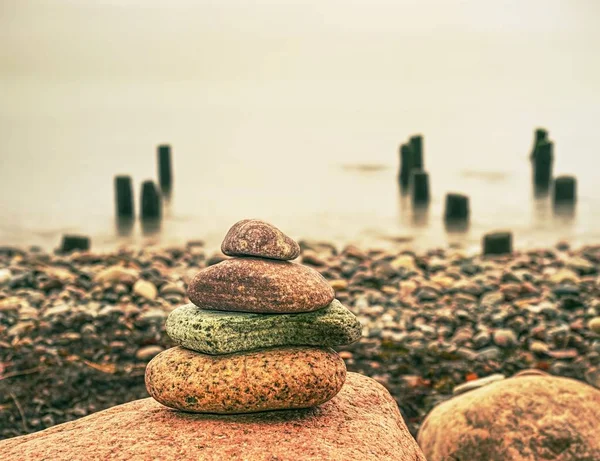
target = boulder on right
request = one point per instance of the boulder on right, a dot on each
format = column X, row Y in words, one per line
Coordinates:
column 524, row 418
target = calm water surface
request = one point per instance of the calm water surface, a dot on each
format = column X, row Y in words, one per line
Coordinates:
column 293, row 113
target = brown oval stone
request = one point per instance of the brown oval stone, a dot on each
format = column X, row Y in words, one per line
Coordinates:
column 253, row 237
column 260, row 285
column 272, row 379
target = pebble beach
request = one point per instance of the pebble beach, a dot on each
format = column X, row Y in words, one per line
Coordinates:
column 77, row 330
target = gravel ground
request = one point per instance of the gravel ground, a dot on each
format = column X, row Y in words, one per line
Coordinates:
column 77, row 330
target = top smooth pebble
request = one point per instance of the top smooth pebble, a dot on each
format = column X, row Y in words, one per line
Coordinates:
column 253, row 237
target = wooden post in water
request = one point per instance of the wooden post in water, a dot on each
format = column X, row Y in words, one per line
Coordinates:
column 165, row 172
column 416, row 144
column 497, row 243
column 420, row 187
column 540, row 135
column 565, row 190
column 150, row 201
column 124, row 196
column 457, row 207
column 74, row 242
column 406, row 165
column 542, row 164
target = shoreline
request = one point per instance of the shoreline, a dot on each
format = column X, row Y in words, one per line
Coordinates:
column 74, row 343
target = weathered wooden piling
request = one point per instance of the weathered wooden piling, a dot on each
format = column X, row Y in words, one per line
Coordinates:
column 420, row 187
column 565, row 190
column 542, row 164
column 406, row 164
column 457, row 207
column 150, row 201
column 416, row 144
column 540, row 135
column 165, row 172
column 497, row 243
column 74, row 242
column 124, row 196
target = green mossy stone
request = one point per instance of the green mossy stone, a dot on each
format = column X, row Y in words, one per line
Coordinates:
column 220, row 332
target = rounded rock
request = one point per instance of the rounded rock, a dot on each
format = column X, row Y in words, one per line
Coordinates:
column 594, row 325
column 339, row 284
column 539, row 347
column 560, row 414
column 272, row 379
column 218, row 332
column 253, row 237
column 5, row 276
column 146, row 353
column 145, row 289
column 172, row 289
column 481, row 339
column 260, row 285
column 117, row 274
column 505, row 337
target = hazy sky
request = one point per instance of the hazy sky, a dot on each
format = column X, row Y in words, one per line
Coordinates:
column 262, row 40
column 380, row 58
column 371, row 55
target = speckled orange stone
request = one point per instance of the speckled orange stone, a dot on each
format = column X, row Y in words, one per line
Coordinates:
column 260, row 285
column 271, row 379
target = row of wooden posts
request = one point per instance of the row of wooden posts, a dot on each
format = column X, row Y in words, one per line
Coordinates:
column 151, row 196
column 494, row 243
column 414, row 179
column 151, row 199
column 542, row 159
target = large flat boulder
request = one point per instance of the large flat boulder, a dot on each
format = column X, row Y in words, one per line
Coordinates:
column 362, row 422
column 529, row 417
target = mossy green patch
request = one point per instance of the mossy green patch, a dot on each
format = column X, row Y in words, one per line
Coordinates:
column 220, row 332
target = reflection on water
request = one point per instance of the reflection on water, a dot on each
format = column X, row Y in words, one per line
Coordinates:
column 371, row 209
column 564, row 213
column 456, row 226
column 151, row 226
column 365, row 168
column 540, row 191
column 124, row 226
column 485, row 175
column 541, row 209
column 420, row 215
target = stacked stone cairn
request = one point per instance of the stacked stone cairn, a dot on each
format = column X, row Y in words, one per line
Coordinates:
column 258, row 335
